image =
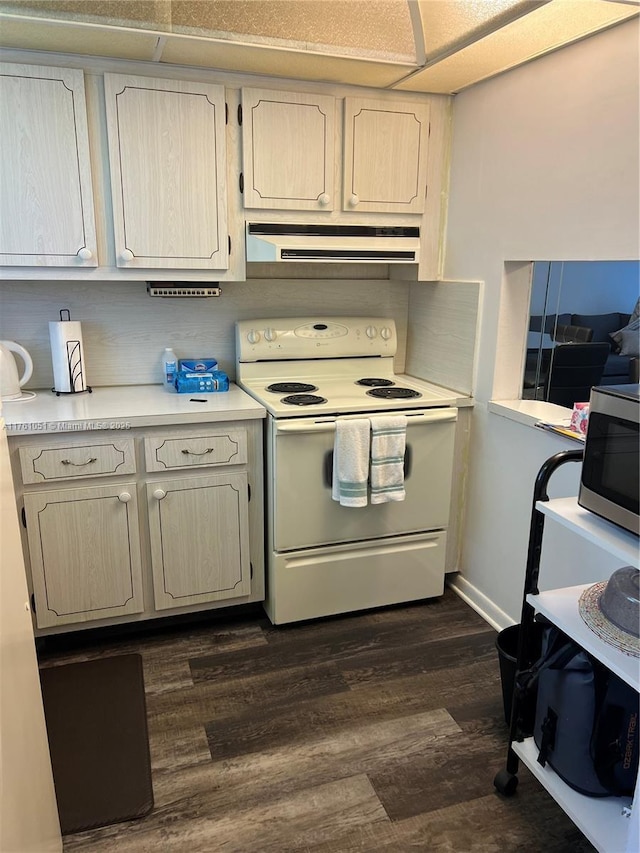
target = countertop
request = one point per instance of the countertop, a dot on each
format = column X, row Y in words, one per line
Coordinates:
column 125, row 407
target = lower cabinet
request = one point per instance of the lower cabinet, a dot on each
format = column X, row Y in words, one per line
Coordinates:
column 85, row 553
column 170, row 521
column 199, row 539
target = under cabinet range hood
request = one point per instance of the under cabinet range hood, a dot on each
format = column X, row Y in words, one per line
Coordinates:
column 279, row 241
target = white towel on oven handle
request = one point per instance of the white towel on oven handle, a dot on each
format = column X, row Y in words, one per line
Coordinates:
column 351, row 461
column 388, row 443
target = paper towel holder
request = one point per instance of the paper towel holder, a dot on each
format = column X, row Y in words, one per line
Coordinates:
column 71, row 368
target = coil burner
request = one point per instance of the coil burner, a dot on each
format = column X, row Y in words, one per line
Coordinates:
column 374, row 383
column 303, row 400
column 393, row 393
column 291, row 387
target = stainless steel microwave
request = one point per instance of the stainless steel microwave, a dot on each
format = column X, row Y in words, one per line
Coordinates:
column 609, row 480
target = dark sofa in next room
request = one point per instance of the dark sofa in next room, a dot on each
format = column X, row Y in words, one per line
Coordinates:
column 622, row 363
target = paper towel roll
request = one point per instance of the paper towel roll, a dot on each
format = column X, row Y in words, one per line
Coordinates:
column 67, row 354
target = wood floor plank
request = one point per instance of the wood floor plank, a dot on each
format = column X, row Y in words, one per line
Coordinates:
column 310, row 816
column 527, row 823
column 283, row 724
column 348, row 645
column 268, row 774
column 251, row 697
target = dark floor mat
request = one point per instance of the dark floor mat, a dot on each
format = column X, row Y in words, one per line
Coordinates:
column 97, row 727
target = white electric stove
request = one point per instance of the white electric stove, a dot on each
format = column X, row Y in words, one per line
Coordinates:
column 324, row 558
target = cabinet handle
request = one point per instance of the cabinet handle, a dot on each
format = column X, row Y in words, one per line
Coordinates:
column 124, row 497
column 79, row 464
column 354, row 201
column 324, row 199
column 202, row 453
column 159, row 494
column 85, row 254
column 126, row 255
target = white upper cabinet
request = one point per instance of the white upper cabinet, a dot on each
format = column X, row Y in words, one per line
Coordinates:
column 46, row 202
column 168, row 172
column 288, row 145
column 385, row 156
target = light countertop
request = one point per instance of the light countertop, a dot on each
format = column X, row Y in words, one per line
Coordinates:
column 124, row 407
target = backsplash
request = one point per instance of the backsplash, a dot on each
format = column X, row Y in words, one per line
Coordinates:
column 441, row 338
column 125, row 331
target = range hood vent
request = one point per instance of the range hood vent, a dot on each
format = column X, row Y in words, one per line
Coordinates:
column 277, row 241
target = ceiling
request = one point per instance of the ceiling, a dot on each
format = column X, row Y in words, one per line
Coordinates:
column 436, row 46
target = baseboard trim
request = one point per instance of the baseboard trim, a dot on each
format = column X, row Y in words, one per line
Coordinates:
column 477, row 600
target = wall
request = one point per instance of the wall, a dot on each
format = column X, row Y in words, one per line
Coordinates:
column 544, row 167
column 124, row 330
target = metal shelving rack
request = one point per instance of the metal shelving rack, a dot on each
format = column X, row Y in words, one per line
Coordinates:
column 612, row 824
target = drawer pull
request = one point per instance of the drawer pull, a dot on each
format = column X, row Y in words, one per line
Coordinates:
column 124, row 497
column 159, row 494
column 202, row 453
column 79, row 464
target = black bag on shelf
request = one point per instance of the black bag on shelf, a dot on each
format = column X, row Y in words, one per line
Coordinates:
column 586, row 721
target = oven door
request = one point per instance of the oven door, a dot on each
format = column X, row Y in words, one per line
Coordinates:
column 303, row 513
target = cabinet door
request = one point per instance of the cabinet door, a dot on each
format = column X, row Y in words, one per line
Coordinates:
column 168, row 172
column 199, row 539
column 84, row 550
column 46, row 213
column 385, row 156
column 288, row 146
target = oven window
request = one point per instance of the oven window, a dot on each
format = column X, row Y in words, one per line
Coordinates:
column 611, row 460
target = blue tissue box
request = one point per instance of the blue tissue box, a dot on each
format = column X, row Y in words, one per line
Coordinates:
column 198, row 365
column 189, row 382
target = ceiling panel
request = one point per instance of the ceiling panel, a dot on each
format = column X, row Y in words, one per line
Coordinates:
column 379, row 29
column 278, row 62
column 449, row 25
column 542, row 30
column 73, row 37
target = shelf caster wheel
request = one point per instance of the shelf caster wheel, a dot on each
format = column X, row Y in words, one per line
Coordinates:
column 505, row 783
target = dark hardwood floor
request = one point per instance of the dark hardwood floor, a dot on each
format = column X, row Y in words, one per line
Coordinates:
column 380, row 731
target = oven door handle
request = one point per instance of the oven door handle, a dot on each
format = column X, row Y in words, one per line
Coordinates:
column 327, row 466
column 430, row 417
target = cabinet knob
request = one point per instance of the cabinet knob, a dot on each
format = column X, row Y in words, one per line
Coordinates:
column 324, row 199
column 159, row 494
column 85, row 254
column 124, row 497
column 354, row 201
column 126, row 255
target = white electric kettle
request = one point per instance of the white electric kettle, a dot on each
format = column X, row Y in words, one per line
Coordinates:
column 10, row 383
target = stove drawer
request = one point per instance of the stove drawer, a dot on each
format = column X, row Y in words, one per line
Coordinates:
column 205, row 448
column 325, row 581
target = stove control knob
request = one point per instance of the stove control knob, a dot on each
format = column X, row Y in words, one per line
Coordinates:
column 253, row 337
column 385, row 333
column 371, row 331
column 270, row 334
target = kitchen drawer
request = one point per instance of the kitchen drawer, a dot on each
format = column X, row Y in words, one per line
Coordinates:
column 206, row 448
column 75, row 460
